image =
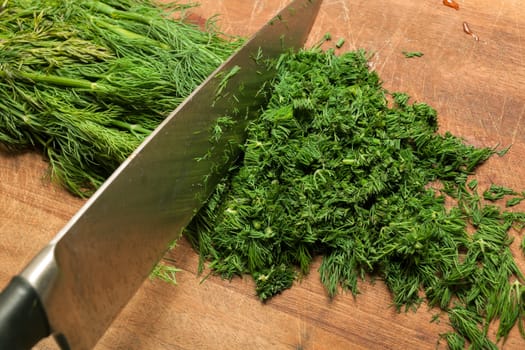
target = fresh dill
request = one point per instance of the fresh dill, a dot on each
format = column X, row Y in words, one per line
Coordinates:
column 86, row 81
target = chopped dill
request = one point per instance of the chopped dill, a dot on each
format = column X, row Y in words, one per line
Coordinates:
column 411, row 54
column 225, row 79
column 165, row 272
column 330, row 168
column 496, row 192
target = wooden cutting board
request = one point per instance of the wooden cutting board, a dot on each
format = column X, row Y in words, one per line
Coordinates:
column 478, row 89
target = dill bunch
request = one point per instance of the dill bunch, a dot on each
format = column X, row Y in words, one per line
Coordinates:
column 86, row 81
column 332, row 168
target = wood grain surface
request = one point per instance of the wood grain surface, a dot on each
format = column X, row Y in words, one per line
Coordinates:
column 478, row 89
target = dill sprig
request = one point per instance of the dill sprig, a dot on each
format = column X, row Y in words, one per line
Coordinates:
column 86, row 81
column 332, row 168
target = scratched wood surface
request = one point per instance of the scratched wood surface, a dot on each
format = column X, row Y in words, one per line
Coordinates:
column 478, row 89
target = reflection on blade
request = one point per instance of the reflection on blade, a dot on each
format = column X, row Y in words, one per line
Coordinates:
column 97, row 262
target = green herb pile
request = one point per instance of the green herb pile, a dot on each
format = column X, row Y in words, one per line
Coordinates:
column 336, row 166
column 86, row 81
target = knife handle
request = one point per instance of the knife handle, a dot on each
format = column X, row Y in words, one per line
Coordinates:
column 23, row 320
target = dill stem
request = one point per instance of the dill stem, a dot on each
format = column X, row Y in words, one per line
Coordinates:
column 57, row 80
column 134, row 128
column 117, row 14
column 127, row 33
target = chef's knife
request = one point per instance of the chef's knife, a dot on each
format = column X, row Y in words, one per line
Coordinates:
column 75, row 287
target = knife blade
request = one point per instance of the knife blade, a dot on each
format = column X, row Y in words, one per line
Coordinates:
column 75, row 287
